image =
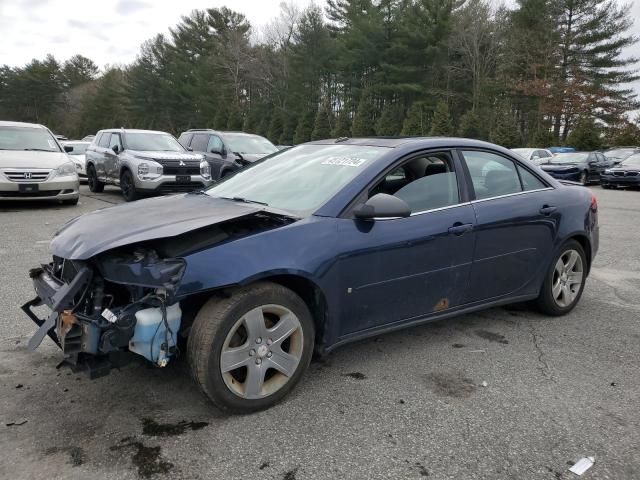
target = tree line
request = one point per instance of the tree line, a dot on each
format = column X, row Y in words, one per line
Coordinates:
column 539, row 73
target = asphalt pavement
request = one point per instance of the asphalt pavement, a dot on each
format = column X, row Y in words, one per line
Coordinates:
column 501, row 394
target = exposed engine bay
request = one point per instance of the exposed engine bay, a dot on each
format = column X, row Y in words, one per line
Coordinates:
column 121, row 304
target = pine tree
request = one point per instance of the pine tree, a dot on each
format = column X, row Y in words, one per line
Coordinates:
column 322, row 126
column 364, row 119
column 234, row 122
column 275, row 127
column 416, row 122
column 441, row 125
column 471, row 126
column 221, row 118
column 390, row 121
column 505, row 129
column 585, row 134
column 289, row 129
column 304, row 128
column 343, row 124
column 628, row 134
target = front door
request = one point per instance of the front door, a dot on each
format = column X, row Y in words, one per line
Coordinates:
column 112, row 165
column 516, row 226
column 401, row 269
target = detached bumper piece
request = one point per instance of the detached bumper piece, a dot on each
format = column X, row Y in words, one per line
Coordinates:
column 104, row 313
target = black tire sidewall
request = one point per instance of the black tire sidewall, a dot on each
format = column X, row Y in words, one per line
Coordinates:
column 131, row 195
column 546, row 302
column 95, row 185
column 215, row 385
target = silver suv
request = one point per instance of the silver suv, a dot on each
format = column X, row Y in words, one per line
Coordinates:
column 143, row 162
column 33, row 165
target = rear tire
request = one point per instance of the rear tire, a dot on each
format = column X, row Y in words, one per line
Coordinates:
column 584, row 178
column 564, row 281
column 128, row 186
column 237, row 371
column 95, row 185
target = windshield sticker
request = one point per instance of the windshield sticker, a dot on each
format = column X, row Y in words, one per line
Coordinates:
column 345, row 161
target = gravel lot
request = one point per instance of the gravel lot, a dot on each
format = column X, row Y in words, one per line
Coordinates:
column 405, row 405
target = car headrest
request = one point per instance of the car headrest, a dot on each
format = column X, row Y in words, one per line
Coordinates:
column 435, row 168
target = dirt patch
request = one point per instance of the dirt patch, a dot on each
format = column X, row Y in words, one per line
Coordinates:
column 76, row 454
column 290, row 475
column 355, row 375
column 154, row 429
column 146, row 459
column 491, row 336
column 451, row 384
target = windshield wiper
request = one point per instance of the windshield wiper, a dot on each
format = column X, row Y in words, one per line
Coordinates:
column 37, row 150
column 244, row 200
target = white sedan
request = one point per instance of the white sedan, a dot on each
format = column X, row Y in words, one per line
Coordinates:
column 77, row 156
column 535, row 155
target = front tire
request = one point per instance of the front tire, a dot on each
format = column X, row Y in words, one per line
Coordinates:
column 249, row 350
column 95, row 185
column 128, row 186
column 565, row 280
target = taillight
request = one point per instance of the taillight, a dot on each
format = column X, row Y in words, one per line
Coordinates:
column 594, row 202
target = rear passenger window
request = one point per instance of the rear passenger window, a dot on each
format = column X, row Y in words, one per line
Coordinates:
column 104, row 140
column 491, row 174
column 529, row 180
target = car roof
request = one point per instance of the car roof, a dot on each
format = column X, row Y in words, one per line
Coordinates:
column 132, row 130
column 21, row 124
column 221, row 132
column 418, row 142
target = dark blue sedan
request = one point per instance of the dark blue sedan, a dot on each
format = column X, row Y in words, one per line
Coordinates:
column 309, row 249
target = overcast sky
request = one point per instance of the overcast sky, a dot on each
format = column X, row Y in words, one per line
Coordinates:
column 111, row 31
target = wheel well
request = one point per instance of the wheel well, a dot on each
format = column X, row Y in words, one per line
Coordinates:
column 586, row 246
column 123, row 169
column 311, row 294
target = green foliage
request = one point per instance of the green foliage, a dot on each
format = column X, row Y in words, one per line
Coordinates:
column 627, row 135
column 556, row 60
column 343, row 124
column 322, row 125
column 585, row 135
column 304, row 128
column 364, row 119
column 390, row 121
column 471, row 126
column 416, row 123
column 505, row 129
column 441, row 125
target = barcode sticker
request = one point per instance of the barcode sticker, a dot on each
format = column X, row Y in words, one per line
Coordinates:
column 109, row 315
column 344, row 161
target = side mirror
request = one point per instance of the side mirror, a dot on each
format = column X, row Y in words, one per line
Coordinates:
column 68, row 148
column 116, row 149
column 382, row 205
column 221, row 151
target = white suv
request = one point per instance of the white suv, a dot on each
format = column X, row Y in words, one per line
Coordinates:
column 33, row 165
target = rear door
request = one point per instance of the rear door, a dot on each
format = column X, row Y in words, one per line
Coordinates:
column 101, row 155
column 112, row 162
column 516, row 223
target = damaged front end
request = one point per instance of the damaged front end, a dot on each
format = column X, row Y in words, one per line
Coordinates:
column 104, row 309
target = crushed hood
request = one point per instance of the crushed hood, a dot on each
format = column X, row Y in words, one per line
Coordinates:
column 153, row 218
column 32, row 159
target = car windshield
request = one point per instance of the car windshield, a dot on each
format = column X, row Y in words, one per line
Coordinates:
column 632, row 161
column 27, row 138
column 575, row 157
column 78, row 148
column 251, row 144
column 153, row 142
column 619, row 153
column 299, row 180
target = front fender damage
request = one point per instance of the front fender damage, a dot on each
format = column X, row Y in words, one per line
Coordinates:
column 105, row 309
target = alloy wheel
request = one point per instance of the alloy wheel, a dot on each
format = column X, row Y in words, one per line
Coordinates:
column 262, row 351
column 568, row 276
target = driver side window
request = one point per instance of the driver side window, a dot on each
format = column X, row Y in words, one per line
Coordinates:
column 424, row 183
